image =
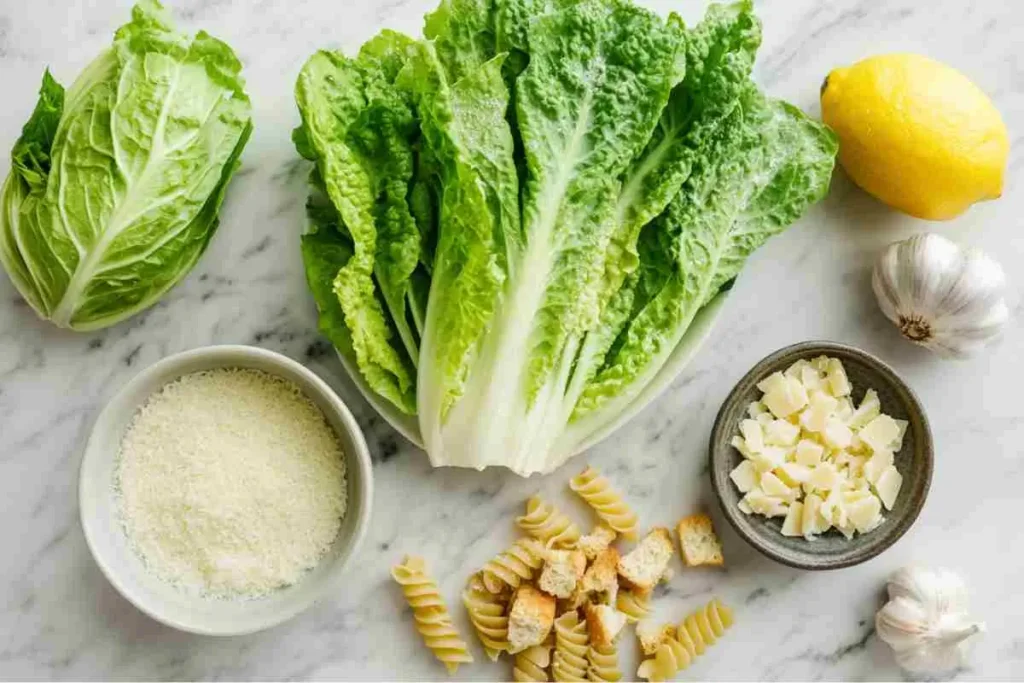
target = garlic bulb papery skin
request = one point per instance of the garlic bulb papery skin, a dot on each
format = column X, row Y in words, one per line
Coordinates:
column 941, row 296
column 926, row 622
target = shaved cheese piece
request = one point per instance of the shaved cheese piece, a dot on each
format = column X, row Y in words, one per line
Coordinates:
column 824, row 477
column 866, row 514
column 820, row 411
column 832, row 508
column 880, row 433
column 901, row 426
column 781, row 433
column 745, row 476
column 763, row 504
column 794, row 520
column 796, row 369
column 837, row 435
column 838, row 382
column 876, row 465
column 812, row 379
column 793, row 474
column 812, row 522
column 741, row 445
column 754, row 436
column 888, row 486
column 774, row 486
column 809, row 453
column 756, row 408
column 870, row 407
column 769, row 458
column 787, row 398
column 774, row 382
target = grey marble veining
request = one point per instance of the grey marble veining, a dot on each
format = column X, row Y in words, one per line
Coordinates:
column 59, row 618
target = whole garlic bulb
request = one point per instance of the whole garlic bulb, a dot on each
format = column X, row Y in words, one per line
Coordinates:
column 925, row 621
column 940, row 296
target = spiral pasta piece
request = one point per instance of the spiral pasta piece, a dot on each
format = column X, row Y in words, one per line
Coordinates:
column 487, row 614
column 603, row 663
column 513, row 566
column 635, row 606
column 692, row 637
column 572, row 643
column 433, row 620
column 548, row 524
column 532, row 664
column 608, row 503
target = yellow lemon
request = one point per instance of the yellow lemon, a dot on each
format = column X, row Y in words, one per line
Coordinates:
column 916, row 134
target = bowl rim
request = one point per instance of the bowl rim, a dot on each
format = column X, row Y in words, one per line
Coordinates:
column 927, row 447
column 227, row 354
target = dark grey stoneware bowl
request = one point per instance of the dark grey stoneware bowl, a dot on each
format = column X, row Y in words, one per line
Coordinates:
column 914, row 461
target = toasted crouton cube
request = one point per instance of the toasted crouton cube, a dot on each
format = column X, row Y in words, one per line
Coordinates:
column 530, row 618
column 651, row 635
column 644, row 566
column 601, row 576
column 604, row 624
column 698, row 543
column 597, row 540
column 562, row 571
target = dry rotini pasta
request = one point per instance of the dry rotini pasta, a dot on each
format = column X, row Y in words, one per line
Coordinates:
column 572, row 642
column 603, row 663
column 608, row 503
column 547, row 523
column 431, row 614
column 487, row 614
column 635, row 606
column 513, row 566
column 532, row 664
column 691, row 638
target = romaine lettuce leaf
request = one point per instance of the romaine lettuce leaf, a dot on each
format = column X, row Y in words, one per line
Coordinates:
column 360, row 128
column 598, row 77
column 114, row 196
column 715, row 63
column 767, row 165
column 479, row 226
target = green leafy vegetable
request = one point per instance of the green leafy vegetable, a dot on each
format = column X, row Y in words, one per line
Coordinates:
column 359, row 128
column 577, row 180
column 768, row 163
column 115, row 185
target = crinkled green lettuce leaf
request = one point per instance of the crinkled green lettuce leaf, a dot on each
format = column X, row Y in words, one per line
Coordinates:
column 326, row 249
column 360, row 129
column 714, row 64
column 766, row 166
column 598, row 78
column 479, row 229
column 114, row 194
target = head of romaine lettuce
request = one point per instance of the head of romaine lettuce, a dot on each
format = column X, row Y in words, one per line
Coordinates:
column 116, row 183
column 583, row 179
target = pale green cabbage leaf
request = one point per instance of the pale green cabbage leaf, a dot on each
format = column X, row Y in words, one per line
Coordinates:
column 116, row 184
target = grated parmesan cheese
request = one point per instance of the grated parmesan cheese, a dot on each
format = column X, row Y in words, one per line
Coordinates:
column 230, row 482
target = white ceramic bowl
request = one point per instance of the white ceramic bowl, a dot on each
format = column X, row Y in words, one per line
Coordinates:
column 164, row 602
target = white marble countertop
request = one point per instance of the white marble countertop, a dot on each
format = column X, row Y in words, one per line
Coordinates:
column 59, row 618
